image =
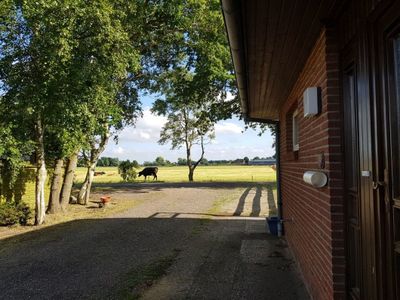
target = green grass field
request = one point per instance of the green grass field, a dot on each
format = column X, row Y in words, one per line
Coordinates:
column 174, row 174
column 202, row 174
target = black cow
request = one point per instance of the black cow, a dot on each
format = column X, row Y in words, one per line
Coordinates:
column 149, row 171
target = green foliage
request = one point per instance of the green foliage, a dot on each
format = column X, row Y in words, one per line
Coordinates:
column 197, row 80
column 160, row 161
column 148, row 163
column 11, row 214
column 182, row 161
column 199, row 74
column 204, row 162
column 127, row 170
column 108, row 162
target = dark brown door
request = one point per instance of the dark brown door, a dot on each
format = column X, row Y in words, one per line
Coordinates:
column 392, row 199
column 388, row 187
column 352, row 195
column 361, row 214
column 394, row 196
column 386, row 76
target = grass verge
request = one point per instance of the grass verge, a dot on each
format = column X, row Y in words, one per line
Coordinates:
column 140, row 279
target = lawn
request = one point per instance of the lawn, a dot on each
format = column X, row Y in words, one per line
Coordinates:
column 202, row 174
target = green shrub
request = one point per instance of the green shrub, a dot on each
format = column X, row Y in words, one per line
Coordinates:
column 127, row 170
column 11, row 214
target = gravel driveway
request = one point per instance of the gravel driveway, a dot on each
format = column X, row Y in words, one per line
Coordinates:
column 213, row 234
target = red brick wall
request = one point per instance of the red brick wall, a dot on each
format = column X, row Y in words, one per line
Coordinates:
column 316, row 233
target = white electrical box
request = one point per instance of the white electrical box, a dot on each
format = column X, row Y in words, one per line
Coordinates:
column 311, row 101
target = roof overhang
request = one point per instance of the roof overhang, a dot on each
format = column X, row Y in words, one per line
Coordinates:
column 270, row 42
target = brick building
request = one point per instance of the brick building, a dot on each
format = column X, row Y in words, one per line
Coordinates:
column 328, row 73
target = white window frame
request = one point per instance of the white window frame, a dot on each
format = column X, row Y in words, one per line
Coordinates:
column 296, row 130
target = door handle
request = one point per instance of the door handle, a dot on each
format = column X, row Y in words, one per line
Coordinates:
column 377, row 184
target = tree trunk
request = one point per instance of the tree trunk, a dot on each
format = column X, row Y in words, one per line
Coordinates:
column 191, row 166
column 191, row 173
column 68, row 181
column 189, row 161
column 84, row 193
column 56, row 184
column 41, row 175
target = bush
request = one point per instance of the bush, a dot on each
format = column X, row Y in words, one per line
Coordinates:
column 127, row 170
column 11, row 214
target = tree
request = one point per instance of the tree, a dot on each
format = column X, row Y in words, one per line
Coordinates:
column 30, row 63
column 127, row 170
column 204, row 162
column 108, row 162
column 128, row 43
column 246, row 160
column 68, row 67
column 182, row 161
column 160, row 161
column 186, row 127
column 197, row 80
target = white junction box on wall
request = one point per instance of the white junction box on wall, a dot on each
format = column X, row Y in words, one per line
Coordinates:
column 311, row 101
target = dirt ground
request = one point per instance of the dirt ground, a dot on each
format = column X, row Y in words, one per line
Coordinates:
column 177, row 241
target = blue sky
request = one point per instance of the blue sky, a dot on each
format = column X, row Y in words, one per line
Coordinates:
column 231, row 142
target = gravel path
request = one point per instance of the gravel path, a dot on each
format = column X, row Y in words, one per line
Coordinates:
column 217, row 232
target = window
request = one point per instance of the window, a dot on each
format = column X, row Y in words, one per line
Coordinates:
column 295, row 130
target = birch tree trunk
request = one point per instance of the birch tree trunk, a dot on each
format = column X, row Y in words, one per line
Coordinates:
column 41, row 175
column 55, row 190
column 68, row 181
column 84, row 193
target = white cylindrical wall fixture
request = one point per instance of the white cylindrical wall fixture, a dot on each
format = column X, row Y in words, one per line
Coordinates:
column 316, row 179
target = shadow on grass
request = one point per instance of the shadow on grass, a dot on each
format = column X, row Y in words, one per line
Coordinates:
column 273, row 210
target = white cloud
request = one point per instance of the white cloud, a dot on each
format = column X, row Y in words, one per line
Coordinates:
column 227, row 128
column 145, row 135
column 147, row 129
column 119, row 150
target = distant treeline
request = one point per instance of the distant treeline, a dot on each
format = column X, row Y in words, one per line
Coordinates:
column 103, row 162
column 162, row 162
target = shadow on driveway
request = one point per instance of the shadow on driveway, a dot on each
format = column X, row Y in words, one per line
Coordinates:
column 221, row 259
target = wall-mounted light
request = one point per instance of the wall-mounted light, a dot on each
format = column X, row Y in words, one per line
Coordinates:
column 311, row 101
column 316, row 179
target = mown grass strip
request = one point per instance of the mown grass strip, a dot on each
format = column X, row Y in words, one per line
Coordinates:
column 140, row 279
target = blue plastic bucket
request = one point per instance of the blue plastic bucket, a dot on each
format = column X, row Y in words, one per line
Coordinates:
column 273, row 225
